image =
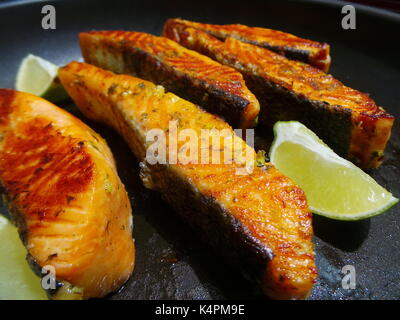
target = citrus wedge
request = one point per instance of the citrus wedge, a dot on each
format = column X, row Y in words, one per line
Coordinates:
column 17, row 280
column 39, row 77
column 335, row 188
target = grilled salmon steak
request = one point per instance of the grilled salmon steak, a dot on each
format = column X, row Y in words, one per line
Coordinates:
column 347, row 120
column 219, row 89
column 292, row 47
column 64, row 194
column 259, row 221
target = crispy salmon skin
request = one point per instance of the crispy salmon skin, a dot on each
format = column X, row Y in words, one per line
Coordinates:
column 349, row 121
column 259, row 221
column 219, row 89
column 292, row 47
column 64, row 194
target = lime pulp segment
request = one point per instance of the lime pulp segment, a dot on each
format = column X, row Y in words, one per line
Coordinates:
column 334, row 187
column 17, row 280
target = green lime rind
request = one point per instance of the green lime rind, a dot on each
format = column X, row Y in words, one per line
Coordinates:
column 311, row 141
column 357, row 217
column 56, row 93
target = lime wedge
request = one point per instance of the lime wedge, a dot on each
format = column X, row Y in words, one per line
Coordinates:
column 335, row 188
column 39, row 77
column 17, row 280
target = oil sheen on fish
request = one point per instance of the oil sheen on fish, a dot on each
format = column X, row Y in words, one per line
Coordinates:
column 292, row 47
column 219, row 89
column 349, row 121
column 64, row 194
column 259, row 221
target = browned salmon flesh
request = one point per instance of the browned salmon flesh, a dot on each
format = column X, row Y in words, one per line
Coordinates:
column 259, row 221
column 217, row 88
column 292, row 47
column 64, row 194
column 349, row 121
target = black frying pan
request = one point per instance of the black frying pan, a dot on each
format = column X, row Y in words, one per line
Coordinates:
column 171, row 262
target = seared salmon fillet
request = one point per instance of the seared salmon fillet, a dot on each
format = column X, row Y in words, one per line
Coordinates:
column 64, row 194
column 259, row 221
column 349, row 121
column 219, row 89
column 292, row 47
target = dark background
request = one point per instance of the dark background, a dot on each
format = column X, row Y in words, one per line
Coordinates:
column 393, row 5
column 171, row 262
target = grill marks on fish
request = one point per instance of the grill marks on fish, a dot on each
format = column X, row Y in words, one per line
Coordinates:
column 293, row 47
column 42, row 170
column 5, row 103
column 300, row 78
column 349, row 121
column 53, row 170
column 219, row 89
column 260, row 221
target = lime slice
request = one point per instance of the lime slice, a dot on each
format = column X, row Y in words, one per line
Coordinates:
column 335, row 187
column 17, row 280
column 39, row 77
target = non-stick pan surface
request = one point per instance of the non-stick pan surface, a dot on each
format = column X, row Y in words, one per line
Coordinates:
column 171, row 262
